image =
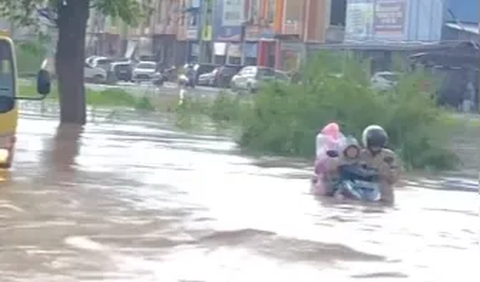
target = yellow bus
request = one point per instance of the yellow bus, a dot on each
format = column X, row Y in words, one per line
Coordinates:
column 9, row 97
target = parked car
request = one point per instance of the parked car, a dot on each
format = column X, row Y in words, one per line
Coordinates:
column 207, row 79
column 90, row 59
column 91, row 74
column 219, row 77
column 205, row 68
column 384, row 81
column 122, row 70
column 101, row 62
column 282, row 76
column 249, row 78
column 144, row 71
column 94, row 74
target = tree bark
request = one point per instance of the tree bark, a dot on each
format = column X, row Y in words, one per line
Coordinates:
column 70, row 59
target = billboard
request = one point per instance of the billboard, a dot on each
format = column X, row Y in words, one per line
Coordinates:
column 359, row 19
column 389, row 18
column 229, row 17
column 394, row 20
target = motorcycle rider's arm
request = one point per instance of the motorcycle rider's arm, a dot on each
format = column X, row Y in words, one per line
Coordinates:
column 389, row 173
column 389, row 169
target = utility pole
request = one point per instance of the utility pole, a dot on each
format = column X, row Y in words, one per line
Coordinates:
column 201, row 14
column 123, row 37
column 243, row 43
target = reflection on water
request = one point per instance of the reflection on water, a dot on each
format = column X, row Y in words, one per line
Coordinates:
column 142, row 202
column 65, row 147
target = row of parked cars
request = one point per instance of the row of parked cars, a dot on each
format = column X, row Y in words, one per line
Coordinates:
column 246, row 78
column 106, row 69
column 99, row 69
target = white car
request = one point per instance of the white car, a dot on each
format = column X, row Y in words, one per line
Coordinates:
column 208, row 79
column 101, row 62
column 90, row 59
column 249, row 78
column 91, row 74
column 144, row 71
column 384, row 81
column 94, row 74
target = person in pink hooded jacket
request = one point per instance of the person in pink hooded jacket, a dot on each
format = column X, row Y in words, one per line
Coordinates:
column 328, row 142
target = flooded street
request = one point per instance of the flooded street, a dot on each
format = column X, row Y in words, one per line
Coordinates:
column 144, row 202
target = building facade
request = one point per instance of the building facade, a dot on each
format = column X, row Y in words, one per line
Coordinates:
column 254, row 32
column 269, row 32
column 407, row 22
column 228, row 30
column 394, row 21
column 381, row 29
column 164, row 25
column 316, row 23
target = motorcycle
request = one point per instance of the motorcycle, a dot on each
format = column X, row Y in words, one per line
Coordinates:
column 353, row 181
column 186, row 81
column 358, row 183
column 158, row 79
column 170, row 74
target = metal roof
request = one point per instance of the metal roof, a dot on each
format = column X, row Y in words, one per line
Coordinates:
column 467, row 27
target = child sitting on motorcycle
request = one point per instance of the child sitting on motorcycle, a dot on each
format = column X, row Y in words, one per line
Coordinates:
column 350, row 170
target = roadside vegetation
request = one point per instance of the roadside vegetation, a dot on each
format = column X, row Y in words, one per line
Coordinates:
column 30, row 56
column 111, row 97
column 284, row 119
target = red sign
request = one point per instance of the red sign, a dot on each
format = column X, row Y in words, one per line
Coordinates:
column 389, row 17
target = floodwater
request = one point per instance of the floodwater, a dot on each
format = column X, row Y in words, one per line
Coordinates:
column 141, row 202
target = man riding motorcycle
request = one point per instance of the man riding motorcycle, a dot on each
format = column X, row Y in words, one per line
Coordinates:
column 375, row 155
column 188, row 79
column 374, row 164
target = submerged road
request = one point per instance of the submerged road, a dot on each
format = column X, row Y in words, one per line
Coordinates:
column 139, row 201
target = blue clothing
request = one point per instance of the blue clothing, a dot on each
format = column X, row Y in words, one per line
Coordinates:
column 358, row 183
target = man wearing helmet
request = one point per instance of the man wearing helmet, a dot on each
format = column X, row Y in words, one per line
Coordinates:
column 375, row 155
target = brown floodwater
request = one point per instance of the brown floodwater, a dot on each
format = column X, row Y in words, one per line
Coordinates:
column 140, row 201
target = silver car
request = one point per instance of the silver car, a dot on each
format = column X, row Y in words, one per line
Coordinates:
column 384, row 81
column 144, row 71
column 208, row 79
column 250, row 77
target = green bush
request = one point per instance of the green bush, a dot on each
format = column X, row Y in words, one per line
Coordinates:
column 29, row 57
column 111, row 97
column 226, row 108
column 284, row 119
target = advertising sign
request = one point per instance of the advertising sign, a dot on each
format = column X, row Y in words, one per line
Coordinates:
column 193, row 19
column 233, row 12
column 389, row 17
column 229, row 17
column 359, row 23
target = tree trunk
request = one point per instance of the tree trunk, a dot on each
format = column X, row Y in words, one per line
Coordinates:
column 70, row 59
